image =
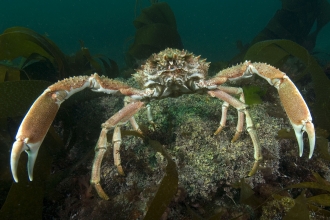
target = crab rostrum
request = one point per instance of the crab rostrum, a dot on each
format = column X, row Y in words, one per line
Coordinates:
column 170, row 73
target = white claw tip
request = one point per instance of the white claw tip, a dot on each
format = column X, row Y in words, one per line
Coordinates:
column 15, row 179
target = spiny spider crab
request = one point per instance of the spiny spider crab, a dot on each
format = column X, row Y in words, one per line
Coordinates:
column 170, row 73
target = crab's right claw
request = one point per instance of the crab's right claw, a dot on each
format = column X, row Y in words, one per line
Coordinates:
column 31, row 149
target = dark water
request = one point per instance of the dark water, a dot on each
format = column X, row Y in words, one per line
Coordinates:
column 210, row 28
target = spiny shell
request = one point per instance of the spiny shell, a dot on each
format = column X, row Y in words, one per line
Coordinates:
column 173, row 61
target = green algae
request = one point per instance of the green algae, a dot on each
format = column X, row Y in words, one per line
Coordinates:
column 253, row 94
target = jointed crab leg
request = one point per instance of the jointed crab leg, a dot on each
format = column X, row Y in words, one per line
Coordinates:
column 241, row 107
column 225, row 105
column 120, row 117
column 116, row 141
column 37, row 121
column 223, row 119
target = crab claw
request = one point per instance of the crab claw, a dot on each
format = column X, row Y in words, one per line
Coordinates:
column 298, row 113
column 33, row 130
column 31, row 149
column 292, row 101
column 299, row 131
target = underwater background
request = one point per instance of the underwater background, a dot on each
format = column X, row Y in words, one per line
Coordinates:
column 210, row 28
column 179, row 169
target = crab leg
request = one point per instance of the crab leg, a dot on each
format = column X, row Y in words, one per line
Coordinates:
column 37, row 121
column 225, row 105
column 223, row 119
column 120, row 117
column 116, row 141
column 241, row 107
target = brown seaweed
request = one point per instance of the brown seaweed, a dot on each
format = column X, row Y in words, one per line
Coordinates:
column 315, row 203
column 19, row 96
column 167, row 187
column 156, row 30
column 21, row 42
column 9, row 73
